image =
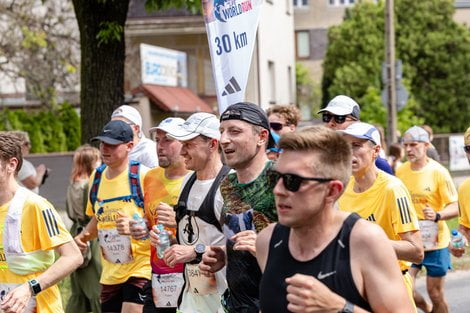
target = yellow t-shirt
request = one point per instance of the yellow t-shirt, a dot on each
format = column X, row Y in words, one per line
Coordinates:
column 41, row 229
column 386, row 203
column 158, row 188
column 431, row 186
column 137, row 252
column 464, row 203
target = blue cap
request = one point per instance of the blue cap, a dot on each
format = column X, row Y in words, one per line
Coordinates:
column 115, row 132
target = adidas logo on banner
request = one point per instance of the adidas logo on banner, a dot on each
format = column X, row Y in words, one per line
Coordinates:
column 231, row 87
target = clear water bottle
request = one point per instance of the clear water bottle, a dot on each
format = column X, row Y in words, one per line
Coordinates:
column 140, row 222
column 457, row 239
column 164, row 241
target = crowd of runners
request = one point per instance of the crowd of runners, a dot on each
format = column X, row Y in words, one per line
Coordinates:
column 261, row 216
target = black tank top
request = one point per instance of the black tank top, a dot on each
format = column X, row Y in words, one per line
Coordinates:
column 332, row 267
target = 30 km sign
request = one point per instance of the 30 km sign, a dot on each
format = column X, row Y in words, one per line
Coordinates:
column 231, row 31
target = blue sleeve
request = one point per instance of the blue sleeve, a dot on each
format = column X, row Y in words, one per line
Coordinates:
column 382, row 164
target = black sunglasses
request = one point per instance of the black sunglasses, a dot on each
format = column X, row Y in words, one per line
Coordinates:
column 292, row 182
column 276, row 126
column 339, row 119
column 467, row 149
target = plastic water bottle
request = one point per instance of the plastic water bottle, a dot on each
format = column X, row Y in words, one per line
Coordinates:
column 164, row 241
column 140, row 222
column 457, row 239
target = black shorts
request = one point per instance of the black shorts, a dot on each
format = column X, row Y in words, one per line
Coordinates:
column 149, row 305
column 112, row 296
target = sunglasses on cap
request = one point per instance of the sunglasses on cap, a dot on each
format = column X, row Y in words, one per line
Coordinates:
column 467, row 149
column 244, row 115
column 292, row 182
column 339, row 119
column 276, row 125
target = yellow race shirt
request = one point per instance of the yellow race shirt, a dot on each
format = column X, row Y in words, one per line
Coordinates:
column 122, row 257
column 464, row 203
column 158, row 188
column 386, row 203
column 430, row 186
column 41, row 229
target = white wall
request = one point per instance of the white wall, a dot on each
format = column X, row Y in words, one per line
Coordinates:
column 275, row 43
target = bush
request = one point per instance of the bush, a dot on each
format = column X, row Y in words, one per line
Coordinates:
column 49, row 131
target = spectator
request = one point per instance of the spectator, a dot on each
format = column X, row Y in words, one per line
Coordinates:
column 84, row 282
column 29, row 176
column 395, row 156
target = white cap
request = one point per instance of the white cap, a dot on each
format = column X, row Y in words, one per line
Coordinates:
column 197, row 124
column 168, row 125
column 416, row 133
column 342, row 105
column 129, row 113
column 363, row 131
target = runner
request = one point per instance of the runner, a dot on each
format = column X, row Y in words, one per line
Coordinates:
column 144, row 149
column 382, row 199
column 162, row 187
column 31, row 233
column 198, row 213
column 248, row 204
column 464, row 202
column 115, row 190
column 283, row 119
column 435, row 200
column 341, row 112
column 317, row 258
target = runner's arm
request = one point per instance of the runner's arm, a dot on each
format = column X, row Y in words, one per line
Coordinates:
column 410, row 247
column 377, row 277
column 450, row 211
column 90, row 232
column 70, row 258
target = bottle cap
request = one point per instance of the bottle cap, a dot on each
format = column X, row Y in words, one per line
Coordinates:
column 454, row 232
column 136, row 216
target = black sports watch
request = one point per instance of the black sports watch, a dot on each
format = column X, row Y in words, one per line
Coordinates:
column 438, row 217
column 199, row 249
column 348, row 308
column 34, row 286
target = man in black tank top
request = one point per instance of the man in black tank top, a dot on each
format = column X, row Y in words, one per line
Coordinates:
column 319, row 259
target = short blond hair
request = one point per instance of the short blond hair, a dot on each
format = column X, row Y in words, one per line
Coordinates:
column 330, row 147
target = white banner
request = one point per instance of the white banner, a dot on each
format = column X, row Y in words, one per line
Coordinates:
column 163, row 66
column 231, row 31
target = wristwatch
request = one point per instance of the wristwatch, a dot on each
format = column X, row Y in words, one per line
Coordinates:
column 438, row 217
column 348, row 308
column 199, row 249
column 34, row 286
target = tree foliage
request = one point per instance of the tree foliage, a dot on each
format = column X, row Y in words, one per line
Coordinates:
column 101, row 24
column 435, row 51
column 39, row 44
column 49, row 131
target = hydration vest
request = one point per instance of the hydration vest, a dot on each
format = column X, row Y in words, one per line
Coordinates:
column 206, row 210
column 134, row 183
column 20, row 262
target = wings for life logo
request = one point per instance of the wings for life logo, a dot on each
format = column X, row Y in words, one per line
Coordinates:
column 223, row 10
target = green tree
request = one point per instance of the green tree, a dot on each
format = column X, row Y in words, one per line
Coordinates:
column 101, row 24
column 435, row 51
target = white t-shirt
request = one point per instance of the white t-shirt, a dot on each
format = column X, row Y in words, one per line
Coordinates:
column 203, row 301
column 145, row 152
column 27, row 169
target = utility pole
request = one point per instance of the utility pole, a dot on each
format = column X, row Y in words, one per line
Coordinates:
column 390, row 63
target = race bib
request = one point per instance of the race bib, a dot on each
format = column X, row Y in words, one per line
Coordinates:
column 198, row 283
column 114, row 247
column 6, row 288
column 429, row 234
column 166, row 289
